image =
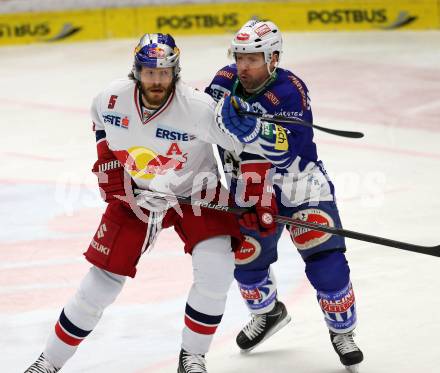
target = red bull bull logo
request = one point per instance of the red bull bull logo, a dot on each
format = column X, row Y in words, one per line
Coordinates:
column 161, row 164
column 144, row 163
column 156, row 53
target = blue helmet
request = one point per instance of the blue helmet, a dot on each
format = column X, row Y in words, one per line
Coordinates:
column 156, row 51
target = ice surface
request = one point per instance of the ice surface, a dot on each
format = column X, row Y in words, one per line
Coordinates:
column 385, row 84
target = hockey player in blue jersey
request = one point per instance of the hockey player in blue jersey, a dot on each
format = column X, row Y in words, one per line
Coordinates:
column 289, row 180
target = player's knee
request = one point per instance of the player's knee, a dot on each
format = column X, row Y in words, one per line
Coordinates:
column 100, row 288
column 97, row 290
column 254, row 259
column 213, row 266
column 328, row 271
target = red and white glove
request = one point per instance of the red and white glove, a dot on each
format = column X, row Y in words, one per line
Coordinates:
column 110, row 174
column 260, row 217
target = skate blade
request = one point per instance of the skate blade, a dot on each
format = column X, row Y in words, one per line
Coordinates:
column 282, row 324
column 352, row 368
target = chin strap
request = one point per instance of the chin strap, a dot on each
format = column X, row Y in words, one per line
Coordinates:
column 274, row 69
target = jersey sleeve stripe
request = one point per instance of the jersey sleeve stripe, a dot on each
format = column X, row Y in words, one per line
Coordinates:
column 100, row 135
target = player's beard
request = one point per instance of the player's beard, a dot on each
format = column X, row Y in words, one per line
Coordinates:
column 156, row 94
column 251, row 84
column 253, row 79
column 248, row 83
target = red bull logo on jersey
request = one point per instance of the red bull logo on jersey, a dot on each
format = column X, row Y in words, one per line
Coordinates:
column 144, row 163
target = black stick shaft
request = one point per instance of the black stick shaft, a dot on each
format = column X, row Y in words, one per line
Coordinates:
column 434, row 251
column 283, row 120
column 427, row 250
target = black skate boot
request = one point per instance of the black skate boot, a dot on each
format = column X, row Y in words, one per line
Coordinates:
column 191, row 363
column 262, row 327
column 42, row 365
column 349, row 353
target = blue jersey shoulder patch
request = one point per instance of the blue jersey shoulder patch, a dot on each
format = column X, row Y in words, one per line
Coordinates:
column 222, row 83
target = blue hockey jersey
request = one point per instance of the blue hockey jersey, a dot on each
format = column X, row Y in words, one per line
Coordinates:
column 286, row 95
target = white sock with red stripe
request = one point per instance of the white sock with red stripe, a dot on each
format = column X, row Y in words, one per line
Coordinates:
column 213, row 267
column 79, row 317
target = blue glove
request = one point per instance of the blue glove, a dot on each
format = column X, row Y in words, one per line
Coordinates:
column 245, row 128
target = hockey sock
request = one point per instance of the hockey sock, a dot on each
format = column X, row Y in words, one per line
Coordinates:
column 260, row 297
column 213, row 266
column 329, row 274
column 339, row 308
column 97, row 290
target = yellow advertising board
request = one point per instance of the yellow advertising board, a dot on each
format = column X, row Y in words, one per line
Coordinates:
column 24, row 28
column 364, row 15
column 218, row 18
column 294, row 16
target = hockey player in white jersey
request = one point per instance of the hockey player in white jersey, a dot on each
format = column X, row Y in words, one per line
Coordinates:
column 153, row 132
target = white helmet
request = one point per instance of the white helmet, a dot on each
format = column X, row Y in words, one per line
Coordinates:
column 258, row 36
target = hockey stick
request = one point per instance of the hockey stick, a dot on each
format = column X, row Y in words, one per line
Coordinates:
column 284, row 120
column 427, row 250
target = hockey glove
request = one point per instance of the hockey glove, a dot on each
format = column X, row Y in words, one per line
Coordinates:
column 245, row 128
column 110, row 174
column 260, row 216
column 260, row 219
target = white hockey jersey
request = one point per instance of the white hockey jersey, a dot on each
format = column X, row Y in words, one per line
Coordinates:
column 169, row 151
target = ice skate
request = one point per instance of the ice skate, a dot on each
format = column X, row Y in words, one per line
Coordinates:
column 349, row 353
column 42, row 365
column 191, row 363
column 262, row 327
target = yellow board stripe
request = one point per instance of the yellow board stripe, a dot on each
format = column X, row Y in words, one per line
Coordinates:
column 218, row 18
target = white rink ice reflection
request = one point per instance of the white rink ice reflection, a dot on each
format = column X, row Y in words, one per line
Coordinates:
column 385, row 84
